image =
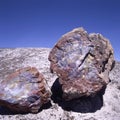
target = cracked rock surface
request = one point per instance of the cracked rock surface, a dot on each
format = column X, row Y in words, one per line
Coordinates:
column 82, row 62
column 24, row 91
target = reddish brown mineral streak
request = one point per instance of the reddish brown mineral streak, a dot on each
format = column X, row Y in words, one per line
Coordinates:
column 82, row 61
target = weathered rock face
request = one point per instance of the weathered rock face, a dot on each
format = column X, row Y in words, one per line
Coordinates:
column 82, row 62
column 24, row 91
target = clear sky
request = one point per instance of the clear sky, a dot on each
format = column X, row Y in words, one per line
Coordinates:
column 40, row 23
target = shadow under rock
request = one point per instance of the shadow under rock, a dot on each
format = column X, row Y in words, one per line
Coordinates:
column 6, row 111
column 82, row 105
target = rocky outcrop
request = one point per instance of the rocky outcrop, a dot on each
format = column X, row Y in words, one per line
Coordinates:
column 24, row 91
column 82, row 62
column 100, row 107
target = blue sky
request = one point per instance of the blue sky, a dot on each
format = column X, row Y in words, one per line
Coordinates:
column 40, row 23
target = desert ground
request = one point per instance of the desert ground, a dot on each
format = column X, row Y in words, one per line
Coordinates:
column 103, row 106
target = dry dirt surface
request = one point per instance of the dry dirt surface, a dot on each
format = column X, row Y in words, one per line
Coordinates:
column 103, row 106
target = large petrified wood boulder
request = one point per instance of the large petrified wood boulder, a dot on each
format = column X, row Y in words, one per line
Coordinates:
column 82, row 62
column 24, row 91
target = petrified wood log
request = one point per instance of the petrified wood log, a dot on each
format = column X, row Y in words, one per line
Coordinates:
column 82, row 62
column 24, row 91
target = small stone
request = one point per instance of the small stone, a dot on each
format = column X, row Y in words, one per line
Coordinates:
column 24, row 91
column 82, row 61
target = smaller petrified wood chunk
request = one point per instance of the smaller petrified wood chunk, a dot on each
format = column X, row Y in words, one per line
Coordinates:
column 82, row 62
column 24, row 91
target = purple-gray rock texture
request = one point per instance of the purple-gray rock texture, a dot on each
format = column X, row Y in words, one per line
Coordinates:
column 24, row 90
column 82, row 62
